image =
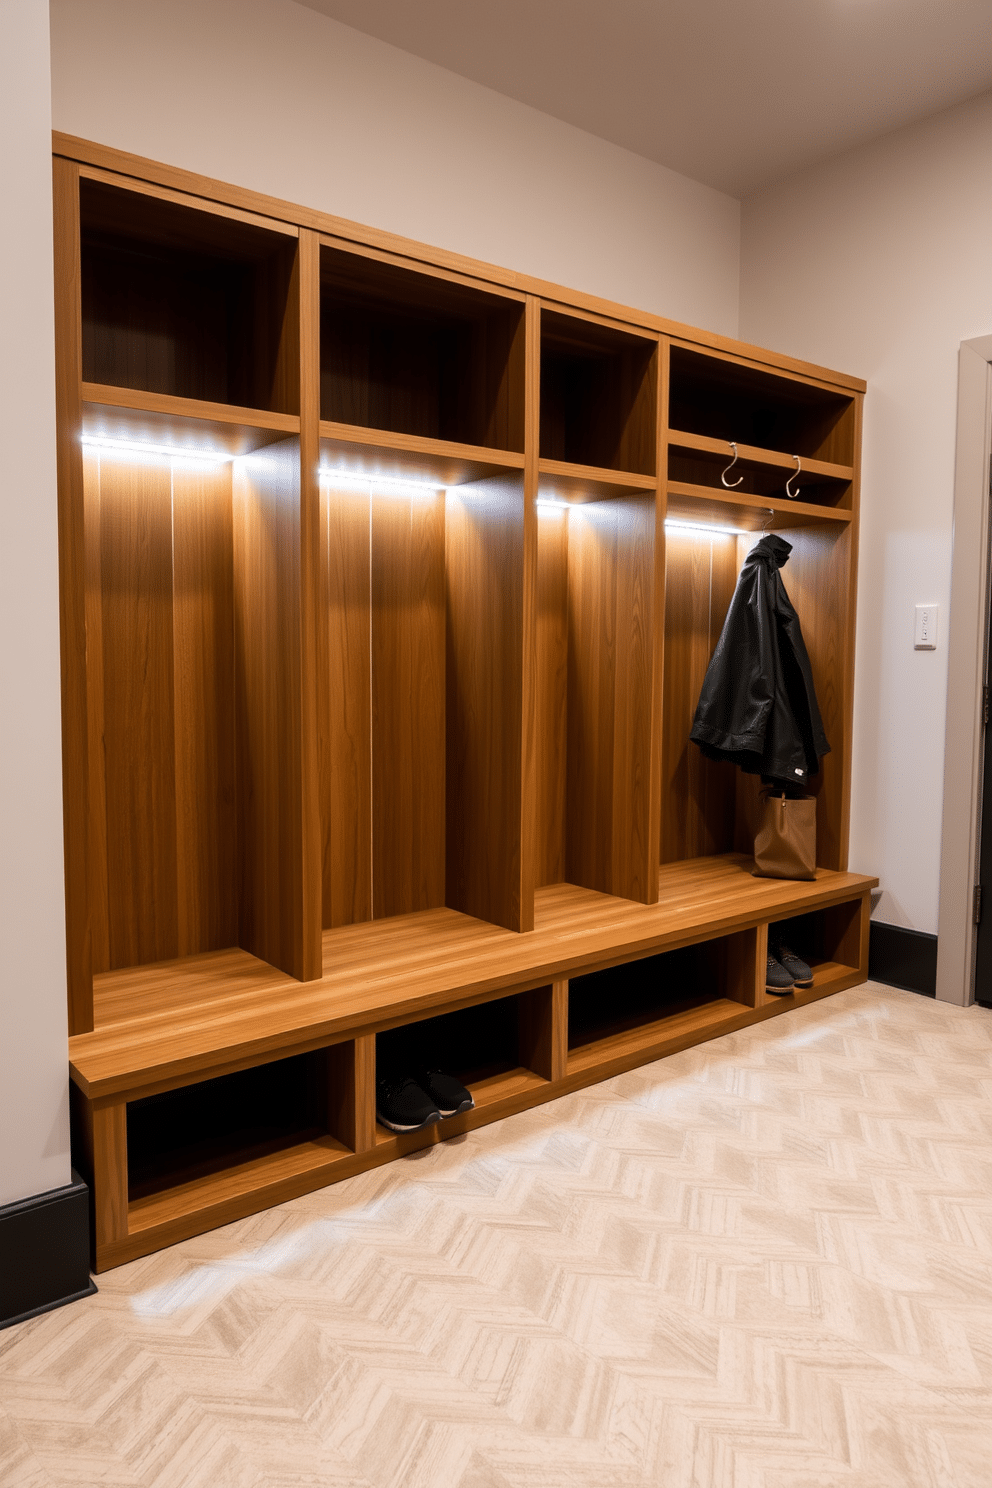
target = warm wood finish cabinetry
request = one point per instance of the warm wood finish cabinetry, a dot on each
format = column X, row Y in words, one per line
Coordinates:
column 389, row 580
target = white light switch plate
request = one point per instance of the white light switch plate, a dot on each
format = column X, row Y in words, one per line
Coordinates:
column 926, row 627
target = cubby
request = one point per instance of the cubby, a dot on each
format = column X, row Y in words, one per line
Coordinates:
column 419, row 354
column 598, row 395
column 187, row 302
column 388, row 583
column 730, row 398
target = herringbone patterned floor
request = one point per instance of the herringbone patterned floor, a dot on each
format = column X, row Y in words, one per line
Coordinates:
column 763, row 1263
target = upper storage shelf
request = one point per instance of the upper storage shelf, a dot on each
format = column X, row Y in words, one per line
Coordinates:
column 598, row 395
column 419, row 354
column 188, row 303
column 727, row 399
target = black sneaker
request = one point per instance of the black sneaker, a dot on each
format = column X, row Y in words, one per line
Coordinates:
column 777, row 979
column 447, row 1093
column 403, row 1106
column 798, row 970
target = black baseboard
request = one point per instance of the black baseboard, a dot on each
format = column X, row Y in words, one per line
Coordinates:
column 44, row 1252
column 903, row 958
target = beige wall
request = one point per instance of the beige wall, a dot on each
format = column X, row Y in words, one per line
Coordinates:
column 880, row 262
column 34, row 1130
column 275, row 97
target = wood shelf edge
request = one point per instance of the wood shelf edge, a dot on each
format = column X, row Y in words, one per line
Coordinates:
column 419, row 444
column 107, row 396
column 756, row 455
column 807, row 510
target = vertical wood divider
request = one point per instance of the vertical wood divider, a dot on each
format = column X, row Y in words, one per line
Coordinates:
column 848, row 645
column 104, row 1138
column 277, row 564
column 743, row 956
column 351, row 1092
column 72, row 591
column 530, row 679
column 313, row 637
column 660, row 601
column 544, row 1030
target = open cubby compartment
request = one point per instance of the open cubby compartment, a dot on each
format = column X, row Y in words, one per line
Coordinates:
column 497, row 1049
column 726, row 398
column 187, row 301
column 177, row 1136
column 599, row 389
column 422, row 354
column 192, row 821
column 597, row 614
column 421, row 699
column 832, row 941
column 657, row 999
column 710, row 807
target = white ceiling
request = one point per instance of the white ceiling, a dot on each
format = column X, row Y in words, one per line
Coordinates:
column 735, row 93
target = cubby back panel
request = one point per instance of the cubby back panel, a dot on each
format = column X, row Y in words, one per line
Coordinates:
column 697, row 813
column 160, row 656
column 551, row 690
column 612, row 612
column 408, row 687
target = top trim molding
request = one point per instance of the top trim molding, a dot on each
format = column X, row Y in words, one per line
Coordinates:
column 136, row 167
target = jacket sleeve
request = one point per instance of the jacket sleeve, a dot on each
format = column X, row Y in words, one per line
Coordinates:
column 736, row 697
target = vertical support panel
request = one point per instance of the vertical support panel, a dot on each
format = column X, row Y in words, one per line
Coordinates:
column 138, row 709
column 845, row 933
column 100, row 1150
column 612, row 810
column 97, row 885
column 486, row 614
column 304, row 305
column 743, row 958
column 697, row 793
column 203, row 644
column 268, row 680
column 72, row 590
column 346, row 708
column 551, row 697
column 543, row 1015
column 528, row 343
column 351, row 1092
column 408, row 670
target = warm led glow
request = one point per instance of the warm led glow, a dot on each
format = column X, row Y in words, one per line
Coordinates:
column 705, row 529
column 124, row 448
column 552, row 506
column 380, row 485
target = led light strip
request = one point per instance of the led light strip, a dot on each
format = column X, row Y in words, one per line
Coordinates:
column 157, row 451
column 389, row 485
column 708, row 529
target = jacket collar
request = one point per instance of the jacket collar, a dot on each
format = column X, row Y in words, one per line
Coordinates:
column 773, row 550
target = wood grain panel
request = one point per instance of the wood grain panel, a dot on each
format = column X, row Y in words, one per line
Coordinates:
column 346, row 708
column 551, row 665
column 408, row 671
column 139, row 719
column 485, row 578
column 102, row 1136
column 97, row 886
column 267, row 605
column 203, row 650
column 304, row 337
column 612, row 841
column 72, row 595
column 351, row 1092
column 543, row 1015
column 697, row 793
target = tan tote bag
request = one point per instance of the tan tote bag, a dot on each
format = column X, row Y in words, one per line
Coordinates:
column 785, row 846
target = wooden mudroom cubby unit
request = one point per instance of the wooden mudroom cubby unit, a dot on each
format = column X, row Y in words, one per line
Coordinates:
column 388, row 582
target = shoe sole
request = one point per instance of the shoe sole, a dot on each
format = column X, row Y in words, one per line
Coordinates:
column 780, row 991
column 432, row 1120
column 466, row 1105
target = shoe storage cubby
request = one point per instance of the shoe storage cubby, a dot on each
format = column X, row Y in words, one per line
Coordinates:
column 192, row 303
column 419, row 354
column 831, row 941
column 389, row 580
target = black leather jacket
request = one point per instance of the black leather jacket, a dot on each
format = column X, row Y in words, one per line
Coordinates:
column 758, row 705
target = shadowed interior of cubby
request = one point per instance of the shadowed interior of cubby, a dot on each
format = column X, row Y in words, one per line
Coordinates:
column 598, row 395
column 420, row 733
column 726, row 400
column 596, row 612
column 624, row 997
column 200, row 1129
column 710, row 807
column 419, row 354
column 193, row 842
column 187, row 302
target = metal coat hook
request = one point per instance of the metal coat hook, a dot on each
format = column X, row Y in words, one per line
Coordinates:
column 723, row 474
column 794, row 476
column 768, row 520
